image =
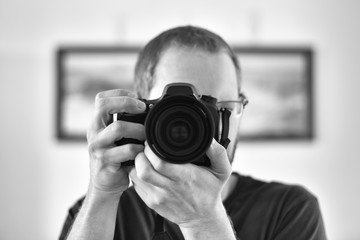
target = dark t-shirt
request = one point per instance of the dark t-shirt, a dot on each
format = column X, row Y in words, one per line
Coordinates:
column 257, row 209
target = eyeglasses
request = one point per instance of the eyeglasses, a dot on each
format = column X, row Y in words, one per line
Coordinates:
column 234, row 106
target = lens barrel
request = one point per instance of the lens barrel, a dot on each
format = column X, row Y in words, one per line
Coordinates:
column 179, row 129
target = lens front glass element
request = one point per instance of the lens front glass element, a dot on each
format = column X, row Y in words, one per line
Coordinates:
column 179, row 129
column 179, row 132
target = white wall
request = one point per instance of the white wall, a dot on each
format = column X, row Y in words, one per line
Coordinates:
column 40, row 177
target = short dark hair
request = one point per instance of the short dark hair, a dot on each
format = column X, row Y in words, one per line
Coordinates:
column 183, row 37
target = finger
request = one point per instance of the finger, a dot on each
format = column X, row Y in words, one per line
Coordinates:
column 105, row 107
column 116, row 93
column 152, row 195
column 169, row 170
column 147, row 173
column 119, row 104
column 121, row 129
column 219, row 160
column 122, row 153
column 141, row 187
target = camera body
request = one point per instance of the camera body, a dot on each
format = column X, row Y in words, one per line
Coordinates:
column 179, row 126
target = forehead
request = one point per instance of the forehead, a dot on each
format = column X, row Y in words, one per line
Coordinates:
column 211, row 73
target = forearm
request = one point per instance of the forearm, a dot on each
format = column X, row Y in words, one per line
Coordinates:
column 216, row 228
column 96, row 219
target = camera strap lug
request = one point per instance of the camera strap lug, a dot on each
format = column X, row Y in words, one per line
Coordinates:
column 225, row 116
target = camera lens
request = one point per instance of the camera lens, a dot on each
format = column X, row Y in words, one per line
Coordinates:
column 179, row 132
column 179, row 129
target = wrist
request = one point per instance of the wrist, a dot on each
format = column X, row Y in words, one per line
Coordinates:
column 95, row 195
column 97, row 216
column 214, row 226
column 208, row 217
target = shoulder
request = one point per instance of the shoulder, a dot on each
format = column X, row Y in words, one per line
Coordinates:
column 299, row 213
column 292, row 193
column 289, row 211
column 273, row 198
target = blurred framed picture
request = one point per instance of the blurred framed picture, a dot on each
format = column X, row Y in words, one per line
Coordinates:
column 82, row 72
column 277, row 82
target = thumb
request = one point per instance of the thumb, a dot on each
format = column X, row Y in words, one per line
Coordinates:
column 220, row 163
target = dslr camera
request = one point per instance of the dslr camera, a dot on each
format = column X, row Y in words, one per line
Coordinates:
column 180, row 125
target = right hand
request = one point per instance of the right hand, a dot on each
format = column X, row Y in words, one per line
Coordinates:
column 106, row 174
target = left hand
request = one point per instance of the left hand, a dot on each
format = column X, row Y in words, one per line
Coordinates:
column 186, row 194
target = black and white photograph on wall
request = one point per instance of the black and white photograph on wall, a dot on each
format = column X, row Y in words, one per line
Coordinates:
column 277, row 81
column 83, row 72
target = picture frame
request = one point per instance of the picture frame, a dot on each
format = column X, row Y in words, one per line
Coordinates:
column 276, row 80
column 82, row 72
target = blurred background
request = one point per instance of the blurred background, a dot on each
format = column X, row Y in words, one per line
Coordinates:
column 40, row 177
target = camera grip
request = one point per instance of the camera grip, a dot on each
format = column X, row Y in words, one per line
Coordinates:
column 134, row 118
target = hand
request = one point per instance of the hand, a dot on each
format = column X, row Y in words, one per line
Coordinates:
column 185, row 194
column 106, row 174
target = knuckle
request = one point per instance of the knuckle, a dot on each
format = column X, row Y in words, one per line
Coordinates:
column 100, row 156
column 143, row 175
column 134, row 149
column 156, row 201
column 99, row 95
column 92, row 147
column 158, row 166
column 220, row 151
column 101, row 103
column 159, row 200
column 89, row 135
column 117, row 127
column 96, row 153
column 127, row 103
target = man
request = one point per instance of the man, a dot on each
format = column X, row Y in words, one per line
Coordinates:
column 195, row 202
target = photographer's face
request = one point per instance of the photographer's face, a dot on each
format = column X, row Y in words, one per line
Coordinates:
column 211, row 74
